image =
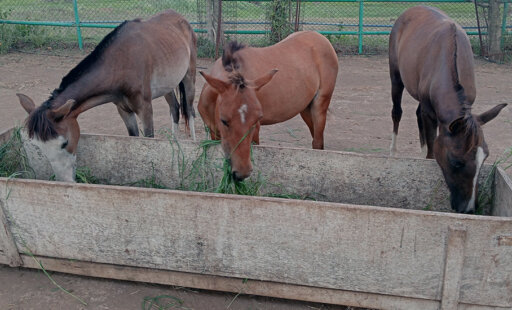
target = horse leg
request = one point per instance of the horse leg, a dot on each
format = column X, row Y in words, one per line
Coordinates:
column 129, row 120
column 174, row 108
column 319, row 115
column 145, row 113
column 421, row 130
column 306, row 116
column 397, row 88
column 430, row 130
column 189, row 89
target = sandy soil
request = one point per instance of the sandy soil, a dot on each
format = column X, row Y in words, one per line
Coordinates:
column 359, row 121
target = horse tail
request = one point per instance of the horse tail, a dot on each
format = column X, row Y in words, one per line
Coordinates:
column 185, row 108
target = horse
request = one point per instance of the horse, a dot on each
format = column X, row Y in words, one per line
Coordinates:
column 245, row 90
column 431, row 56
column 135, row 63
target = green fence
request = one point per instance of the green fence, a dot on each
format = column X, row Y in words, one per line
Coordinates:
column 353, row 26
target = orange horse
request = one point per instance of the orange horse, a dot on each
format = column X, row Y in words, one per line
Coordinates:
column 243, row 92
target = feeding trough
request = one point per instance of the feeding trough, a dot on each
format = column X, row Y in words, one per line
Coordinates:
column 374, row 237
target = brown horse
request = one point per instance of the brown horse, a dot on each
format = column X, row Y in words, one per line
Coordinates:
column 242, row 92
column 135, row 63
column 430, row 55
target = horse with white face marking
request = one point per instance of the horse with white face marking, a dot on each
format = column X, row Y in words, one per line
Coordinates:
column 431, row 56
column 242, row 92
column 135, row 63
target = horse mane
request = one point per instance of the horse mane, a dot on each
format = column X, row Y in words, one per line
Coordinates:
column 472, row 130
column 38, row 124
column 229, row 62
column 88, row 62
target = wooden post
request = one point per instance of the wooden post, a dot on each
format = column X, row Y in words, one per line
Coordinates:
column 8, row 251
column 454, row 262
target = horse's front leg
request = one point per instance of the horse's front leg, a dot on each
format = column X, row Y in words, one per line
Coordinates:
column 145, row 113
column 430, row 131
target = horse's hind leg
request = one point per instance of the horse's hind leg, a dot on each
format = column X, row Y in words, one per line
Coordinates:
column 397, row 88
column 319, row 116
column 188, row 91
column 129, row 120
column 174, row 108
column 306, row 116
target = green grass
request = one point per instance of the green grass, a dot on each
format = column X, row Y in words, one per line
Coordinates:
column 485, row 193
column 13, row 159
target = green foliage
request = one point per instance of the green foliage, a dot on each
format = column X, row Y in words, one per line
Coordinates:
column 13, row 159
column 278, row 16
column 13, row 35
column 485, row 193
column 205, row 48
column 84, row 175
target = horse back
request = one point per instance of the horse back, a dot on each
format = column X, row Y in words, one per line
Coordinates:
column 425, row 47
column 307, row 64
column 156, row 52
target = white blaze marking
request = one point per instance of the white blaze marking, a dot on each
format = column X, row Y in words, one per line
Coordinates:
column 393, row 144
column 242, row 111
column 63, row 163
column 480, row 156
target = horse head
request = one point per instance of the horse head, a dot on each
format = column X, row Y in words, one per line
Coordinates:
column 460, row 151
column 237, row 116
column 56, row 132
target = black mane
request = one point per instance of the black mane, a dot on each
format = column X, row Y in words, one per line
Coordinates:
column 472, row 129
column 229, row 62
column 459, row 89
column 88, row 62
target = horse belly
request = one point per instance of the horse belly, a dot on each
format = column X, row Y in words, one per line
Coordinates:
column 166, row 78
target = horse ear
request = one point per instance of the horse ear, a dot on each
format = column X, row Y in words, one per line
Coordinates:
column 218, row 85
column 457, row 125
column 26, row 103
column 62, row 111
column 262, row 81
column 491, row 114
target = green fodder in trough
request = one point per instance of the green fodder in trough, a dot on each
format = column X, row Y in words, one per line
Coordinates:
column 13, row 158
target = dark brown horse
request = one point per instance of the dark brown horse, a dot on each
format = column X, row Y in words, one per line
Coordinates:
column 243, row 93
column 135, row 63
column 430, row 55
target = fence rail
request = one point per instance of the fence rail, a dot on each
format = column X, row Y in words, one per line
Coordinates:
column 356, row 26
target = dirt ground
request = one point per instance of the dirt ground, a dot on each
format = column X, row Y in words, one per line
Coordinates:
column 359, row 121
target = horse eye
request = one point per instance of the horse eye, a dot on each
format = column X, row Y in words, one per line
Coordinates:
column 63, row 146
column 224, row 122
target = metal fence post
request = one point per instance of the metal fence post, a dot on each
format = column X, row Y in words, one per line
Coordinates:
column 360, row 31
column 504, row 24
column 77, row 22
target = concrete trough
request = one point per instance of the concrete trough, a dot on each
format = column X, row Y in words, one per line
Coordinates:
column 372, row 241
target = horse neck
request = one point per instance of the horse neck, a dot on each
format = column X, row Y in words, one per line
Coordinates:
column 444, row 97
column 87, row 87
